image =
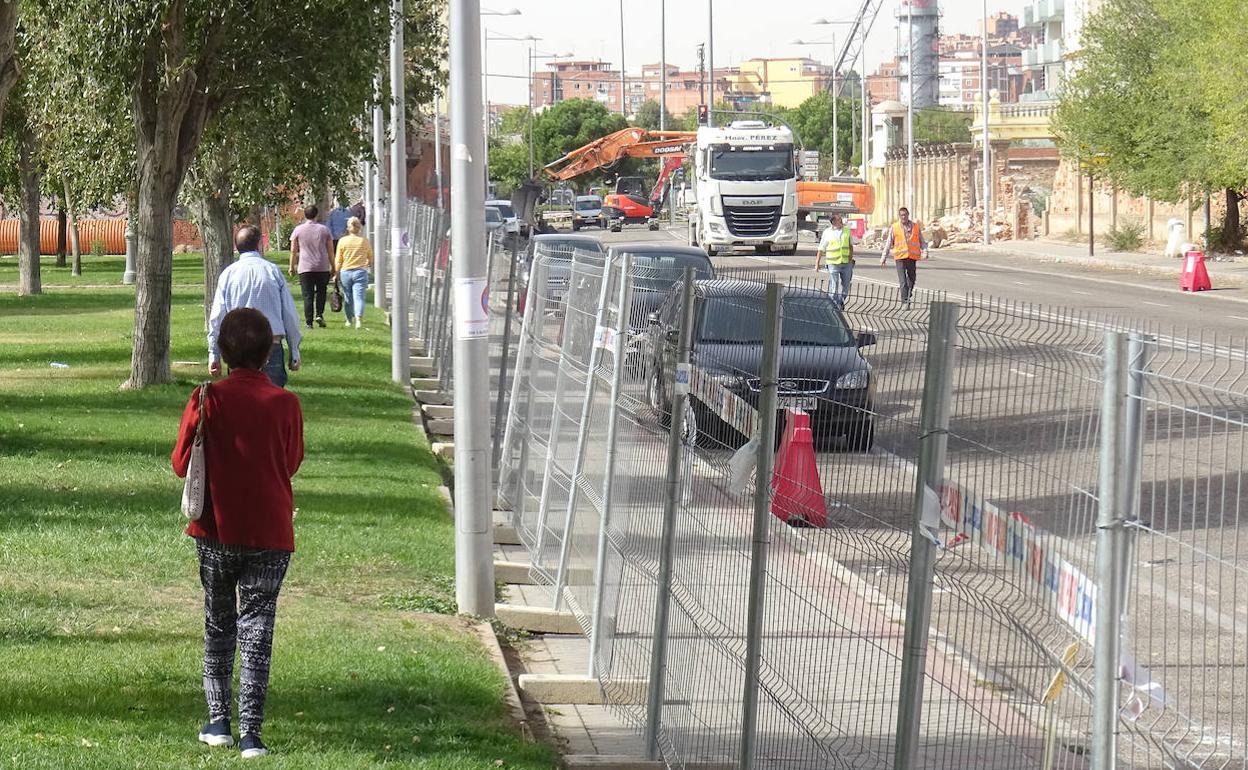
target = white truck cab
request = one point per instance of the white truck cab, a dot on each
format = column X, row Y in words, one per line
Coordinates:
column 745, row 178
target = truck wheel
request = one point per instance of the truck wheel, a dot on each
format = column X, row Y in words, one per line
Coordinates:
column 653, row 225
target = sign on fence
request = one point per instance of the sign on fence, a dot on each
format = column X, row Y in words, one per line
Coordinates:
column 1029, row 551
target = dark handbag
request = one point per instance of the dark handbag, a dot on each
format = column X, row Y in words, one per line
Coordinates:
column 335, row 299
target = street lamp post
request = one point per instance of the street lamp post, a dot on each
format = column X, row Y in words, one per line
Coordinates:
column 400, row 330
column 623, row 84
column 836, row 122
column 662, row 65
column 910, row 109
column 983, row 87
column 486, row 37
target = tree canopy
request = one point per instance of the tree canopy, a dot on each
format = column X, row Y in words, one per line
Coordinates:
column 1157, row 99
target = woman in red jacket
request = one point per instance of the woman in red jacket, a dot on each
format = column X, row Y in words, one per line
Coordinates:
column 253, row 444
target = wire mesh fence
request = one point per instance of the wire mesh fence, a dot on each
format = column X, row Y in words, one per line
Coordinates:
column 921, row 589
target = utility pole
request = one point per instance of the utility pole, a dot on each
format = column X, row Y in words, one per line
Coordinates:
column 910, row 109
column 376, row 216
column 710, row 60
column 623, row 87
column 531, row 47
column 836, row 122
column 983, row 82
column 866, row 110
column 400, row 326
column 702, row 73
column 474, row 564
column 662, row 65
column 437, row 149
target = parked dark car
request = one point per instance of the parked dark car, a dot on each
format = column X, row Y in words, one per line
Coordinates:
column 656, row 268
column 822, row 370
column 557, row 249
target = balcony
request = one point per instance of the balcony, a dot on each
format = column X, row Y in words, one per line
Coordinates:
column 1043, row 11
column 1042, row 55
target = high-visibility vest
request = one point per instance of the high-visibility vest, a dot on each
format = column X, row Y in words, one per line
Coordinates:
column 838, row 253
column 903, row 247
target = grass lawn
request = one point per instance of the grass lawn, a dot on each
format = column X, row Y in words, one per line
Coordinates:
column 106, row 270
column 100, row 603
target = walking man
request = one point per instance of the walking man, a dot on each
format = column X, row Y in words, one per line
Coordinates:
column 337, row 221
column 836, row 247
column 311, row 247
column 255, row 282
column 906, row 243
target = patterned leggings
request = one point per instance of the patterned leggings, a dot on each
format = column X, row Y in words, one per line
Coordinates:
column 246, row 619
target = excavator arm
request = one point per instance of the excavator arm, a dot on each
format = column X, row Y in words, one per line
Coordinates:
column 626, row 143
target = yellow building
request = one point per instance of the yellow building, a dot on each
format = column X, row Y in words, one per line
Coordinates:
column 782, row 82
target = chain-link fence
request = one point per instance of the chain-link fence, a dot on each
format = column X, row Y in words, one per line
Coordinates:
column 918, row 563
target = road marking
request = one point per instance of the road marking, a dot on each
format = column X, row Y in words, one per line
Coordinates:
column 1021, row 283
column 1238, row 317
column 1023, row 374
column 973, row 275
column 1084, row 293
column 1157, row 304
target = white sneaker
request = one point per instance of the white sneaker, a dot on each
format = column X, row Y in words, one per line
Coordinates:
column 358, row 325
column 347, row 323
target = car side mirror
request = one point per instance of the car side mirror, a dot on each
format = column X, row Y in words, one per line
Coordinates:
column 866, row 339
column 653, row 318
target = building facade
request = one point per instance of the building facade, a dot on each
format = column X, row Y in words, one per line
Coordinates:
column 1044, row 60
column 783, row 82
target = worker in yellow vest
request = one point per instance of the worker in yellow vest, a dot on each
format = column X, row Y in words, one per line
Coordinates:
column 836, row 250
column 906, row 243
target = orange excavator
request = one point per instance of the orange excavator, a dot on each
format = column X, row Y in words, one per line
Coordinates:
column 624, row 206
column 844, row 196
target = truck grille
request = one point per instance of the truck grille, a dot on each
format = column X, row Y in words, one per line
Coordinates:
column 751, row 221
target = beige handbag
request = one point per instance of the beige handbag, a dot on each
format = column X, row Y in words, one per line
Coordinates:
column 196, row 472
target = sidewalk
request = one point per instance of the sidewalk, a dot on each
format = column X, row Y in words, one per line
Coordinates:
column 1058, row 251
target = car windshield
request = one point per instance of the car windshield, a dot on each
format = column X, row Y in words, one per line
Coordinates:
column 770, row 163
column 659, row 272
column 505, row 209
column 588, row 204
column 492, row 216
column 808, row 320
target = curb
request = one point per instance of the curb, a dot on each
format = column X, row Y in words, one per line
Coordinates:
column 1167, row 271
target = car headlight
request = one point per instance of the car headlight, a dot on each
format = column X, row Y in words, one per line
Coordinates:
column 854, row 380
column 786, row 227
column 717, row 206
column 716, row 227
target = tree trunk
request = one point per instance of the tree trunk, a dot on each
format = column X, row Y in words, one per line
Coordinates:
column 62, row 235
column 75, row 248
column 8, row 51
column 29, row 280
column 211, row 208
column 1231, row 235
column 153, row 225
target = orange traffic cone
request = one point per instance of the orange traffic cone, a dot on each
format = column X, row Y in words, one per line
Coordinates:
column 797, row 495
column 1195, row 276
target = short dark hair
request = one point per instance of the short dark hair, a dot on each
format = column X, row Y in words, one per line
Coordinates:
column 246, row 338
column 903, row 208
column 248, row 238
column 310, row 212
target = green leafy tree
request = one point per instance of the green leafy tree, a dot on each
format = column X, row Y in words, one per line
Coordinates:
column 509, row 163
column 1156, row 101
column 942, row 126
column 648, row 115
column 571, row 124
column 812, row 120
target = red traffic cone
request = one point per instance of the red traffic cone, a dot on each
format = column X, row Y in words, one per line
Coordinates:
column 1195, row 276
column 797, row 495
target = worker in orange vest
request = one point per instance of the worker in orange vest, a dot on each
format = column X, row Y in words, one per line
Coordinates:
column 906, row 243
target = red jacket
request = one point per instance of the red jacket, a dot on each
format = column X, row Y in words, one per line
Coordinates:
column 253, row 444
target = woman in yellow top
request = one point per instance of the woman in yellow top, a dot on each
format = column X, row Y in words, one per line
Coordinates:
column 352, row 260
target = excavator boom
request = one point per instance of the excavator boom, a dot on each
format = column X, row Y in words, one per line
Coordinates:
column 626, row 143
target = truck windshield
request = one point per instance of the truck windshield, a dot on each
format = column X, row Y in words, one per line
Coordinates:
column 769, row 164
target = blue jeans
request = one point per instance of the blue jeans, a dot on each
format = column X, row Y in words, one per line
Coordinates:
column 354, row 282
column 275, row 367
column 839, row 278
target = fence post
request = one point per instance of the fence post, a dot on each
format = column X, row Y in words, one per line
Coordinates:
column 1110, row 549
column 508, row 310
column 769, row 375
column 624, row 303
column 933, row 440
column 667, row 543
column 578, row 461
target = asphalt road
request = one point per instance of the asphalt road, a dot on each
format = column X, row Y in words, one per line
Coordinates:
column 1139, row 297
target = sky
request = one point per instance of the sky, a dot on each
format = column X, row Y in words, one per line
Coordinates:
column 590, row 29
